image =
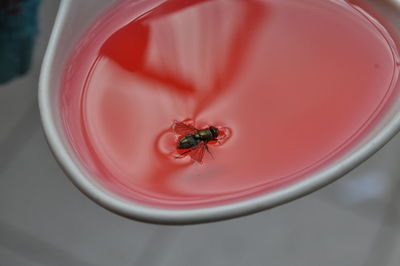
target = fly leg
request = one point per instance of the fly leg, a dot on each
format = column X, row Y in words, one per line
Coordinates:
column 209, row 151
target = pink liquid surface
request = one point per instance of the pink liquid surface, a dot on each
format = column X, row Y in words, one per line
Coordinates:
column 298, row 83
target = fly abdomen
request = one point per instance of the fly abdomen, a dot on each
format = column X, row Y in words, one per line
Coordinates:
column 188, row 141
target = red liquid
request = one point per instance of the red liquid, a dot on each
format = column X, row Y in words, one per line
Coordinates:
column 297, row 82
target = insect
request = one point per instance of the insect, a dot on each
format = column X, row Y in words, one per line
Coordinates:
column 194, row 139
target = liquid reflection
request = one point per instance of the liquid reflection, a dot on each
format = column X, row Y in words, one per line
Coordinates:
column 192, row 47
column 192, row 50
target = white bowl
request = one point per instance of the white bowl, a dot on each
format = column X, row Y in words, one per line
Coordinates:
column 74, row 16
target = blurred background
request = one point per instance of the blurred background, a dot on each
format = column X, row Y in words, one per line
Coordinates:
column 45, row 220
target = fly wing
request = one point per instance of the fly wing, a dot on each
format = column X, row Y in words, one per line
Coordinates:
column 197, row 153
column 183, row 129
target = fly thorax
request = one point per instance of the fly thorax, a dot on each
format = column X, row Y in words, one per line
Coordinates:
column 204, row 134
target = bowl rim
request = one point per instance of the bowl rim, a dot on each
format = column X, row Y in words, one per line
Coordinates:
column 148, row 214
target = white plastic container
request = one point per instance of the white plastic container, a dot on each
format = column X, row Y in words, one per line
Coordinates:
column 74, row 16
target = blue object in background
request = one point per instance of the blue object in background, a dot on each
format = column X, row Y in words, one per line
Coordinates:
column 18, row 28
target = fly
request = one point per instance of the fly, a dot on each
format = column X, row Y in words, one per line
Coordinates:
column 195, row 140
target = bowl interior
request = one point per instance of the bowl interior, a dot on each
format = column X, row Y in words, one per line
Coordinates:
column 73, row 19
